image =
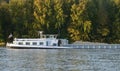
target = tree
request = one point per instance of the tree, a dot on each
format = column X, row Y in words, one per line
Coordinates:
column 41, row 14
column 101, row 15
column 49, row 15
column 86, row 20
column 28, row 24
column 5, row 21
column 22, row 16
column 116, row 23
column 59, row 15
column 80, row 25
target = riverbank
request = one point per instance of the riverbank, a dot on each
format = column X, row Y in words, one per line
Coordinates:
column 2, row 44
column 83, row 42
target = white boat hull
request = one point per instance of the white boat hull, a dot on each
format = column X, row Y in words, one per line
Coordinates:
column 34, row 47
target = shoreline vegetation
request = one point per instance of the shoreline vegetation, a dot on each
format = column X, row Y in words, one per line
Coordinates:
column 2, row 44
column 75, row 20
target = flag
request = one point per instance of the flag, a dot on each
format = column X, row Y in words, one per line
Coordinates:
column 10, row 36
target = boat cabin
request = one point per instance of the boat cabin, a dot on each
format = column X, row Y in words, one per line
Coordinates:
column 44, row 40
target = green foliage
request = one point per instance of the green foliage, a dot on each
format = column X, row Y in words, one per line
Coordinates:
column 116, row 24
column 49, row 15
column 81, row 24
column 86, row 20
column 42, row 14
column 59, row 14
column 5, row 21
column 21, row 13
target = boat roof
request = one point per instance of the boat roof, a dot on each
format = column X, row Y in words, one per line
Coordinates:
column 42, row 37
column 32, row 39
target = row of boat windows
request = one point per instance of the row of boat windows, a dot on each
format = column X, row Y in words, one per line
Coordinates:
column 33, row 43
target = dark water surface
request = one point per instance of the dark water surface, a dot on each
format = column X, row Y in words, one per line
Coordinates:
column 59, row 59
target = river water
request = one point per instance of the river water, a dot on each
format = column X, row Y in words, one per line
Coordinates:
column 59, row 59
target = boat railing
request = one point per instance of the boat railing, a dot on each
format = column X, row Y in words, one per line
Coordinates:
column 49, row 36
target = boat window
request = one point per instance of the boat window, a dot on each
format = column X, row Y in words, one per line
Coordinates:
column 27, row 43
column 20, row 43
column 41, row 43
column 54, row 44
column 34, row 43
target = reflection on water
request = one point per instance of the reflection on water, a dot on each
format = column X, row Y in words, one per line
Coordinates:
column 59, row 59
